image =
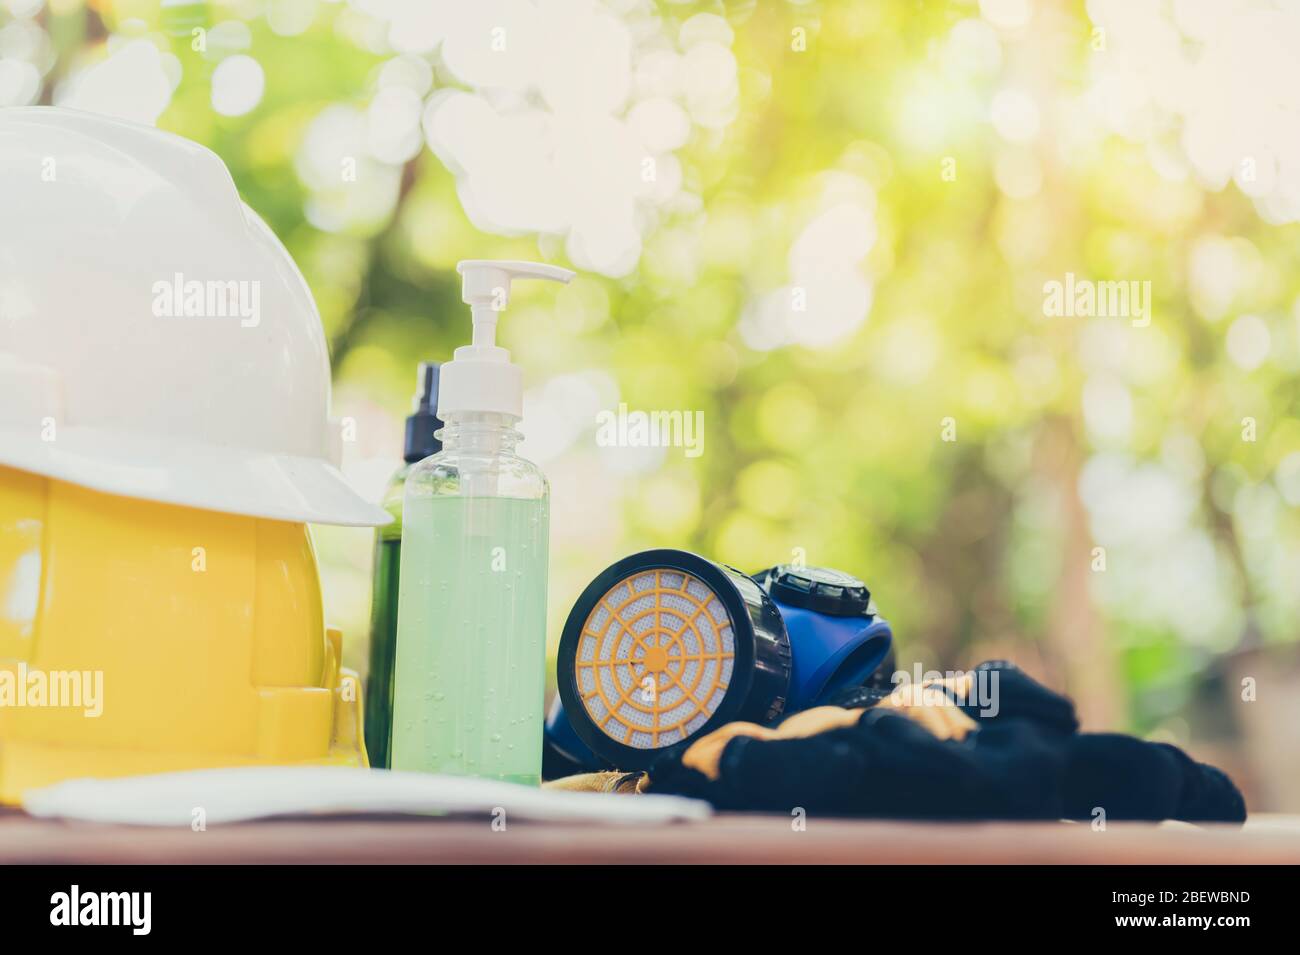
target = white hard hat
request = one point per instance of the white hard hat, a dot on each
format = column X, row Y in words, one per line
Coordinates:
column 156, row 339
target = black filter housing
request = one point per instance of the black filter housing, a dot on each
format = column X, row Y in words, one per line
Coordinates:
column 660, row 692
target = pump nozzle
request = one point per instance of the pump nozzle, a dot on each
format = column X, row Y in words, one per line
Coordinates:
column 485, row 288
column 487, row 281
column 481, row 377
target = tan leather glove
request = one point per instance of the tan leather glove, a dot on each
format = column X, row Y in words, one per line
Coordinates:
column 929, row 705
column 926, row 703
column 608, row 782
column 705, row 753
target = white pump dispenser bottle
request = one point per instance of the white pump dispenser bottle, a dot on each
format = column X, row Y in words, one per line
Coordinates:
column 471, row 618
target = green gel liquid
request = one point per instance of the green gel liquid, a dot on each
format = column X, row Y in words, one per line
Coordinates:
column 471, row 638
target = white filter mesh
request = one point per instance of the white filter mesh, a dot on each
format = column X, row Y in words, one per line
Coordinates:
column 680, row 712
column 716, row 701
column 671, row 696
column 607, row 684
column 666, row 626
column 639, row 718
column 710, row 639
column 710, row 672
column 637, row 607
column 678, row 603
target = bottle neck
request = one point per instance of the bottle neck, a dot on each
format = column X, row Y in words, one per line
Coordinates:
column 479, row 431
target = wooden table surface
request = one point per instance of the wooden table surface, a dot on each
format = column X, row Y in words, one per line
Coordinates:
column 733, row 838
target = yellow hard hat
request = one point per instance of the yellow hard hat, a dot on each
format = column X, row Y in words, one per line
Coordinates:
column 164, row 441
column 138, row 637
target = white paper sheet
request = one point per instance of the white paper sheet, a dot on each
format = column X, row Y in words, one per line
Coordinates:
column 256, row 792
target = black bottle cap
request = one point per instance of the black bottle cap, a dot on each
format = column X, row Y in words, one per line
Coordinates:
column 818, row 589
column 423, row 420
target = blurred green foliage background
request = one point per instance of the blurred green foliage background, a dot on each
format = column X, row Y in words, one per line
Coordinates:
column 839, row 254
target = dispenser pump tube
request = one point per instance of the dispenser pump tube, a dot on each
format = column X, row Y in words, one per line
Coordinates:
column 485, row 326
column 481, row 377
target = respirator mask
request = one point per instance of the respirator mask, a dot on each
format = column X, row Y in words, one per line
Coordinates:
column 665, row 646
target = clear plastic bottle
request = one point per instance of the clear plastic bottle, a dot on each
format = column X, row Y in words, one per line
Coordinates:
column 471, row 640
column 471, row 624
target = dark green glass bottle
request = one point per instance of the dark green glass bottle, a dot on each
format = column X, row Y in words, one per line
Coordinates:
column 421, row 427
